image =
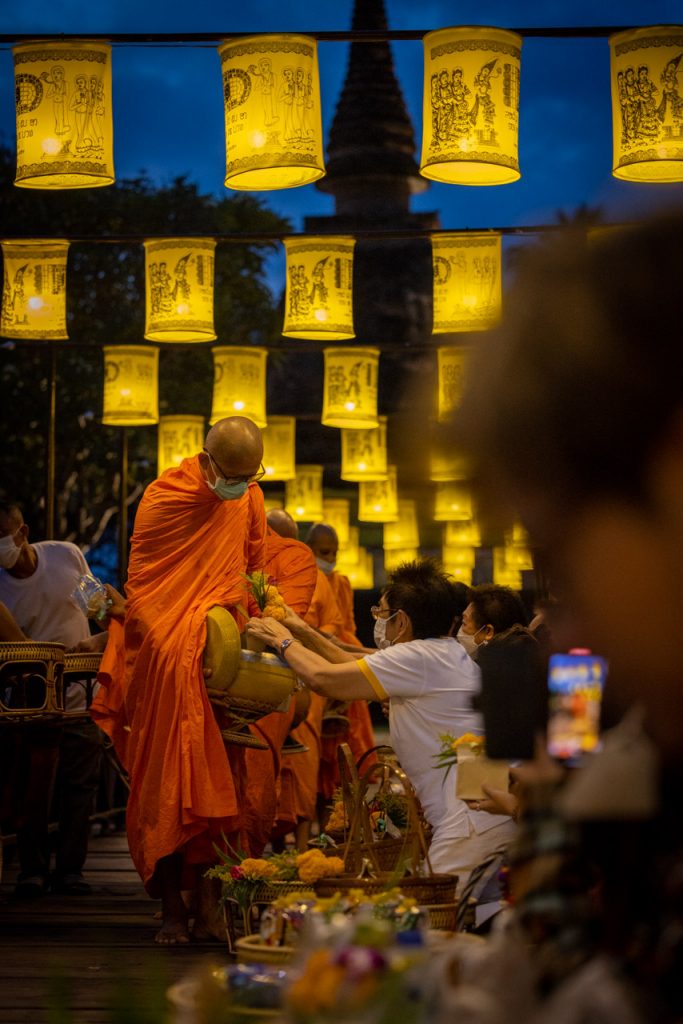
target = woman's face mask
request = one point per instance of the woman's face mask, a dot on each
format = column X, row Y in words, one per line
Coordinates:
column 9, row 552
column 380, row 633
column 469, row 641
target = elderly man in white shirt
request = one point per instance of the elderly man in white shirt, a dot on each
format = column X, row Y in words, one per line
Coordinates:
column 429, row 681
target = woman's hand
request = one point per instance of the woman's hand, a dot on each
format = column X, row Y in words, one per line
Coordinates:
column 294, row 622
column 117, row 607
column 269, row 630
column 95, row 644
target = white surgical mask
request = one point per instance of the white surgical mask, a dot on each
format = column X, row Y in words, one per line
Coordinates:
column 468, row 641
column 9, row 552
column 380, row 633
column 228, row 492
column 326, row 566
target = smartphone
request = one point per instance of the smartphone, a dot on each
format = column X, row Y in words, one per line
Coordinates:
column 576, row 681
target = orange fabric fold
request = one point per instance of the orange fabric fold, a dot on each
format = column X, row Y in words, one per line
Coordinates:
column 107, row 708
column 188, row 552
column 291, row 565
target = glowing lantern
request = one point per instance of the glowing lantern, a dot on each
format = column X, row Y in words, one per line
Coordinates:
column 404, row 533
column 319, row 293
column 364, row 453
column 462, row 534
column 64, row 120
column 272, row 503
column 452, row 364
column 362, row 575
column 304, row 494
column 393, row 557
column 448, row 465
column 460, row 573
column 453, row 502
column 349, row 554
column 130, row 385
column 502, row 575
column 34, row 290
column 336, row 513
column 378, row 499
column 179, row 289
column 279, row 447
column 467, row 282
column 273, row 127
column 471, row 106
column 350, row 388
column 463, row 557
column 179, row 438
column 647, row 110
column 239, row 383
column 517, row 553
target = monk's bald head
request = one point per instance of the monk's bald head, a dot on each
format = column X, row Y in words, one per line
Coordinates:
column 323, row 542
column 236, row 446
column 281, row 522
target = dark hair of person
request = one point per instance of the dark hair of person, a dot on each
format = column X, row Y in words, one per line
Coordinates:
column 460, row 594
column 423, row 591
column 496, row 606
column 10, row 508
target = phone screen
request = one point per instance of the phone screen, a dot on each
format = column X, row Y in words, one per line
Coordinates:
column 575, row 684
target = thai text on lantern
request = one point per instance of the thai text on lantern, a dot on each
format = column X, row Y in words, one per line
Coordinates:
column 452, row 365
column 130, row 385
column 279, row 448
column 304, row 494
column 179, row 289
column 319, row 288
column 364, row 452
column 239, row 383
column 273, row 127
column 336, row 513
column 404, row 533
column 471, row 106
column 467, row 281
column 378, row 499
column 64, row 115
column 350, row 387
column 452, row 502
column 647, row 107
column 34, row 289
column 179, row 438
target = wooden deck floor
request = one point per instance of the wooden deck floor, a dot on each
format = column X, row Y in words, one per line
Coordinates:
column 80, row 960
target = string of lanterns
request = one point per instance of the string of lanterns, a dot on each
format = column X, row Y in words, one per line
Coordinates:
column 272, row 108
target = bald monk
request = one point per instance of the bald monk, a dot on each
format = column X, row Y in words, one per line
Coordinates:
column 324, row 543
column 292, row 565
column 198, row 528
column 296, row 808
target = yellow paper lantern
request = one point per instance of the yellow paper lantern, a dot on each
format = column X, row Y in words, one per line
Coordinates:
column 279, row 448
column 179, row 289
column 378, row 499
column 130, row 385
column 448, row 465
column 452, row 366
column 364, row 452
column 393, row 557
column 273, row 503
column 502, row 575
column 362, row 575
column 459, row 573
column 462, row 534
column 517, row 553
column 239, row 383
column 467, row 281
column 647, row 108
column 34, row 289
column 336, row 513
column 304, row 495
column 471, row 106
column 453, row 502
column 350, row 388
column 64, row 119
column 349, row 554
column 319, row 291
column 463, row 557
column 273, row 127
column 405, row 532
column 179, row 438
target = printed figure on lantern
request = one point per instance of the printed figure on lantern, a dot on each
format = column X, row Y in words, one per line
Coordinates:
column 15, row 310
column 161, row 295
column 670, row 109
column 460, row 92
column 648, row 122
column 337, row 386
column 97, row 110
column 181, row 288
column 319, row 293
column 265, row 73
column 483, row 112
column 302, row 104
column 79, row 105
column 299, row 287
column 286, row 97
column 56, row 79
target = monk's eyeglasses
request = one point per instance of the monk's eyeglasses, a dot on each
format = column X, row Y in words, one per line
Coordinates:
column 235, row 479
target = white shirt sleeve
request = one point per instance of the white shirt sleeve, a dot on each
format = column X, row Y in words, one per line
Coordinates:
column 399, row 670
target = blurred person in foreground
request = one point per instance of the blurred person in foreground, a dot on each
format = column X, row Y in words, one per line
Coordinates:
column 574, row 420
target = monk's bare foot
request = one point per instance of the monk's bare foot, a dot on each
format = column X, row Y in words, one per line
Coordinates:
column 173, row 932
column 209, row 922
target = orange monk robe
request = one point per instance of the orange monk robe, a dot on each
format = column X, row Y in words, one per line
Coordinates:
column 291, row 565
column 188, row 552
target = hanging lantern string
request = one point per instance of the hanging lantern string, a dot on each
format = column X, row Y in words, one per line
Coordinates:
column 354, row 36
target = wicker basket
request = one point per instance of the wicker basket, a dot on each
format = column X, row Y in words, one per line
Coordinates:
column 442, row 916
column 31, row 681
column 251, row 949
column 426, row 890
